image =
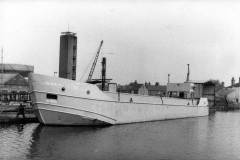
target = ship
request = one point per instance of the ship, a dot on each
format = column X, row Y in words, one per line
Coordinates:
column 59, row 101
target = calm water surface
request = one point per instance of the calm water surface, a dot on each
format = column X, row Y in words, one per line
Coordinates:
column 206, row 138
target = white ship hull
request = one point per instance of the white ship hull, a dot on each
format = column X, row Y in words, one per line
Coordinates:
column 60, row 101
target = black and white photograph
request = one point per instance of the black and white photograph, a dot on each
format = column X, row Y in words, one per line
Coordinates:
column 119, row 80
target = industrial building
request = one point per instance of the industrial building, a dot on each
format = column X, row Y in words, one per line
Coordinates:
column 152, row 90
column 188, row 89
column 14, row 82
column 68, row 55
column 144, row 89
column 195, row 89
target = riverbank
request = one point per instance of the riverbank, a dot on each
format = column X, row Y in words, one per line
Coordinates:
column 8, row 115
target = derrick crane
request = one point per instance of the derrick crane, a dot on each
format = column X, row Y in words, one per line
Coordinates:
column 94, row 62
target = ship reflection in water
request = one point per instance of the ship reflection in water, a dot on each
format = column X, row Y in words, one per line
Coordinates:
column 213, row 137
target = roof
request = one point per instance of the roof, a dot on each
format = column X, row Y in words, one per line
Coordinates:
column 135, row 87
column 130, row 87
column 12, row 79
column 179, row 87
column 4, row 78
column 224, row 91
column 68, row 33
column 202, row 81
column 196, row 81
column 156, row 88
column 24, row 70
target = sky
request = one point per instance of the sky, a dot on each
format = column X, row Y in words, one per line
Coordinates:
column 143, row 40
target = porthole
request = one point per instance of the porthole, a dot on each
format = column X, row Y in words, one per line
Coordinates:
column 63, row 89
column 88, row 92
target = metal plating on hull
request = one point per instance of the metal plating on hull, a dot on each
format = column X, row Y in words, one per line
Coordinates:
column 65, row 102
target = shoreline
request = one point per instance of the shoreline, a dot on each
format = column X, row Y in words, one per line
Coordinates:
column 8, row 115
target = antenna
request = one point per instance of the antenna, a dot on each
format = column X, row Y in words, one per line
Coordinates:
column 68, row 27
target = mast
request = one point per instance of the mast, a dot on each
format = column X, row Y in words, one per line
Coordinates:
column 188, row 73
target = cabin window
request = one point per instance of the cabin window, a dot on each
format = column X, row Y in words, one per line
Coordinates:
column 51, row 96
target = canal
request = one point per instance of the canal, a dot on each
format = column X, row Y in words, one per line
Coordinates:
column 216, row 137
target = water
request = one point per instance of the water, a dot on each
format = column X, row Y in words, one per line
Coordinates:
column 206, row 138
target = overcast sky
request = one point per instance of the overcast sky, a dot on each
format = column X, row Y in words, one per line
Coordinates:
column 143, row 40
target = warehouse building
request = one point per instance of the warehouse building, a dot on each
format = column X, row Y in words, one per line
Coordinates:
column 14, row 85
column 195, row 89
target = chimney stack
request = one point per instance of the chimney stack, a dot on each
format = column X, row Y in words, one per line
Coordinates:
column 168, row 78
column 223, row 84
column 103, row 73
column 233, row 81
